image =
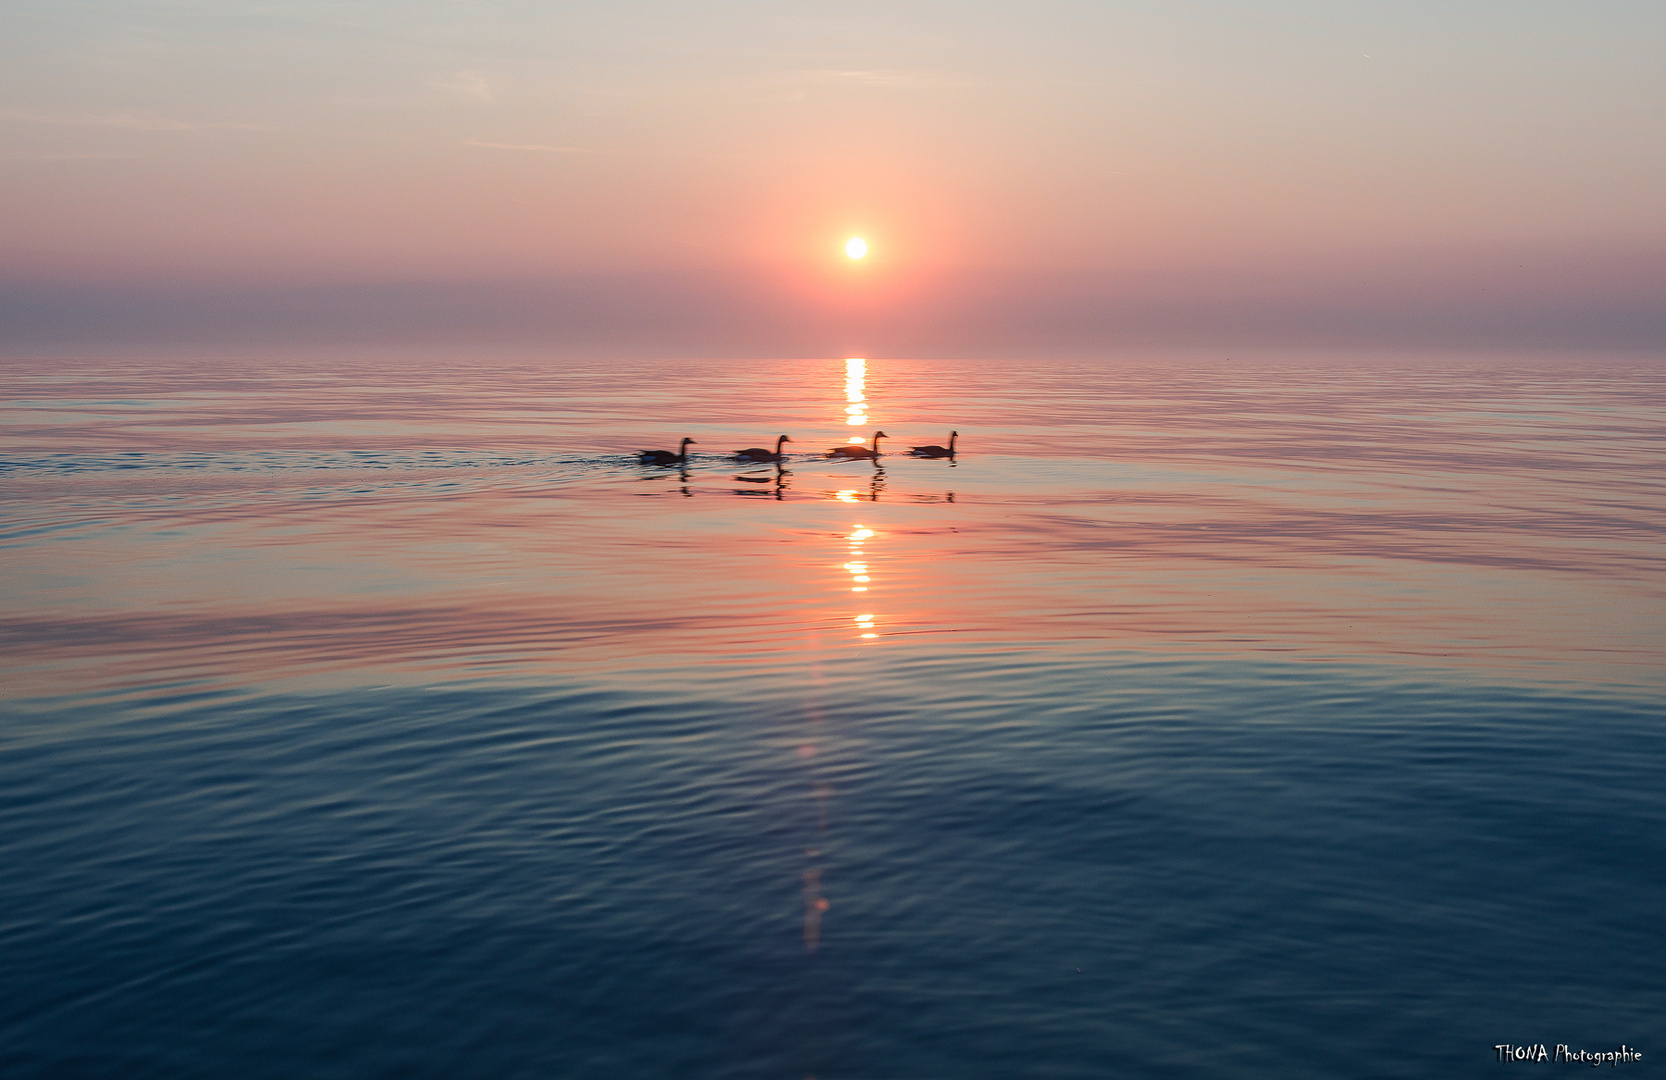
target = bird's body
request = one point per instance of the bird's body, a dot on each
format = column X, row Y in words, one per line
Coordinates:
column 666, row 457
column 936, row 451
column 853, row 453
column 758, row 453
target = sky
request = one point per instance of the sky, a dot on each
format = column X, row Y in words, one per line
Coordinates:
column 667, row 178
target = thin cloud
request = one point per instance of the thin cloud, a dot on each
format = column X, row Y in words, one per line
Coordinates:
column 529, row 146
column 132, row 121
column 890, row 78
column 67, row 157
column 791, row 85
column 466, row 84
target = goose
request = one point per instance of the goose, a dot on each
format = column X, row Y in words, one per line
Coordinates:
column 758, row 453
column 666, row 457
column 850, row 453
column 935, row 451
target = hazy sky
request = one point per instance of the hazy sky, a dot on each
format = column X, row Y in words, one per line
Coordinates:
column 645, row 173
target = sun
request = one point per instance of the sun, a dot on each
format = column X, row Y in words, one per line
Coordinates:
column 856, row 247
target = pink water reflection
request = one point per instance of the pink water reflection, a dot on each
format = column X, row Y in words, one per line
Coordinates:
column 308, row 527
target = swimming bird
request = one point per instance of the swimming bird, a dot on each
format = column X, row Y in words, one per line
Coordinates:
column 850, row 453
column 758, row 453
column 935, row 451
column 666, row 457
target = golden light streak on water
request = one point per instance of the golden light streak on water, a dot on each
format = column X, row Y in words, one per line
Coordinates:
column 857, row 568
column 856, row 378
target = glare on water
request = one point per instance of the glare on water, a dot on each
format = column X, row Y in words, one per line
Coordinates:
column 856, row 381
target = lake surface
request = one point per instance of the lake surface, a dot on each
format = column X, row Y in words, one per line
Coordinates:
column 1286, row 718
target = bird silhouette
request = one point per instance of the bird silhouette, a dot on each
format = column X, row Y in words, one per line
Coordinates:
column 852, row 453
column 935, row 451
column 666, row 457
column 758, row 453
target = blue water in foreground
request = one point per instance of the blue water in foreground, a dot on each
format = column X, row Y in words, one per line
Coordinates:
column 1162, row 868
column 534, row 804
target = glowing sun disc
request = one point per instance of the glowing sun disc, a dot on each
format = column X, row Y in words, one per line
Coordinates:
column 856, row 247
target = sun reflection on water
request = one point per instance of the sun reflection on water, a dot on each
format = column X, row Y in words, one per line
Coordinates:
column 876, row 484
column 856, row 380
column 857, row 568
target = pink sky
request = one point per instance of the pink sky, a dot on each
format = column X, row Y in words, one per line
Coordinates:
column 673, row 178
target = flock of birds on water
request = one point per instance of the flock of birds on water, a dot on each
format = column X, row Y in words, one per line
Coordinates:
column 764, row 455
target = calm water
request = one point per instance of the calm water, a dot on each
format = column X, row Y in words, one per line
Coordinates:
column 1274, row 720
